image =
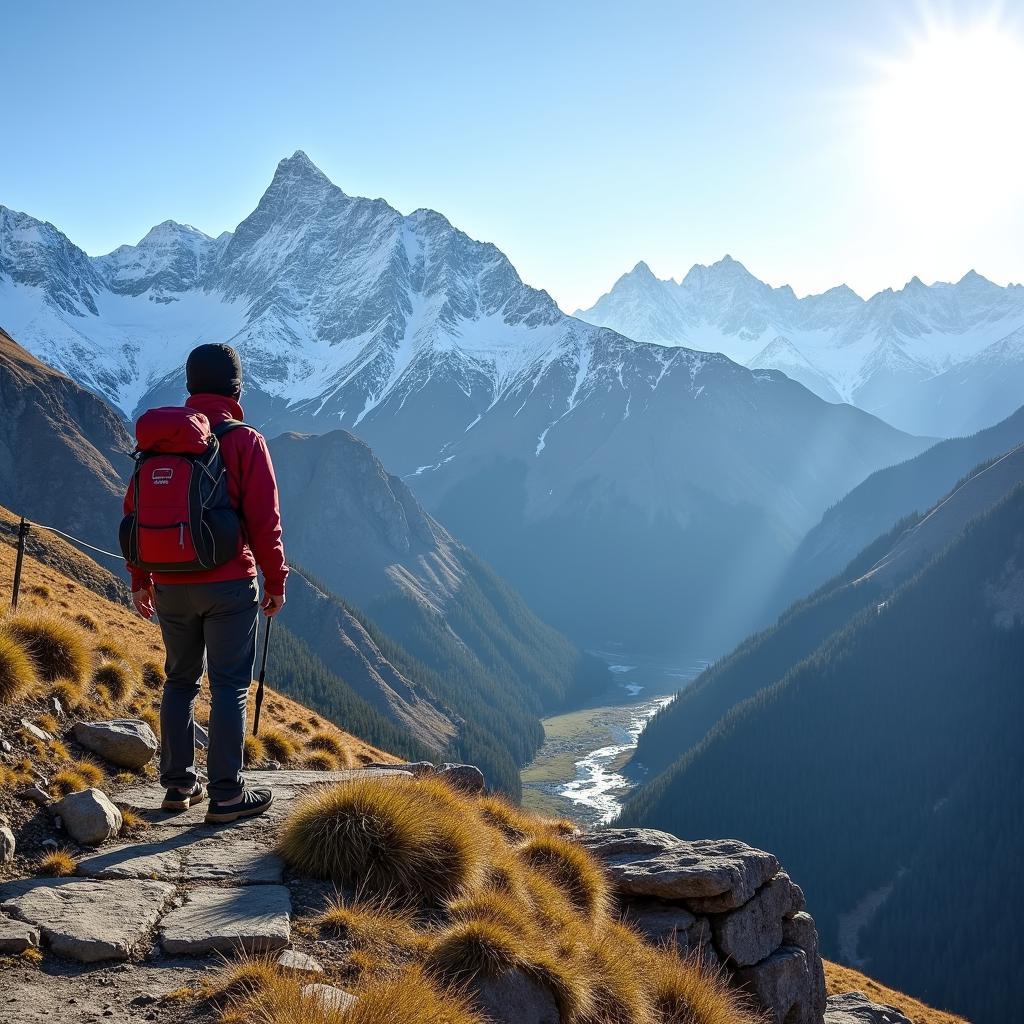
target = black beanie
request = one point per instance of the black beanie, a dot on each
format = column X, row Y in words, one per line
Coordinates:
column 214, row 370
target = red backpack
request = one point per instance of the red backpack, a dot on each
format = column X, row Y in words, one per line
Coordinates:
column 182, row 519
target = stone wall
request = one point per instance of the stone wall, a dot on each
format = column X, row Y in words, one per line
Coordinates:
column 726, row 902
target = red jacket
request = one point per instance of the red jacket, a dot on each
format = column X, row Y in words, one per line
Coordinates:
column 253, row 490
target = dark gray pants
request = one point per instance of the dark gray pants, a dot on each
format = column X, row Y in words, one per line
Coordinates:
column 212, row 627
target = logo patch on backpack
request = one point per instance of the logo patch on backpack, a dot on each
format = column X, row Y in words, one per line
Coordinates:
column 162, row 476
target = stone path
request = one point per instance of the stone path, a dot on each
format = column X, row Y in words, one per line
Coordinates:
column 183, row 889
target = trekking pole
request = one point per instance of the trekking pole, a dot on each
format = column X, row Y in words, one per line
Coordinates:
column 262, row 680
column 22, row 534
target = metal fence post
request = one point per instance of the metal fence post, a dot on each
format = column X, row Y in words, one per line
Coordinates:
column 22, row 534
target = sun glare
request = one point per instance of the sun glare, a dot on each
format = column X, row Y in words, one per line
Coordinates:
column 944, row 123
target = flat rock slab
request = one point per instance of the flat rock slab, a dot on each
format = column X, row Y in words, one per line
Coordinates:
column 226, row 857
column 16, row 936
column 154, row 857
column 254, row 918
column 710, row 875
column 88, row 920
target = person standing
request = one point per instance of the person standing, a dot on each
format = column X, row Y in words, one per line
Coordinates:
column 207, row 604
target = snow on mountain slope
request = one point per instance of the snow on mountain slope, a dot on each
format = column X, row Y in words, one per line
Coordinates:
column 888, row 354
column 622, row 486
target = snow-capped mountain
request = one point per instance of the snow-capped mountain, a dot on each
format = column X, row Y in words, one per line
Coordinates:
column 921, row 357
column 623, row 487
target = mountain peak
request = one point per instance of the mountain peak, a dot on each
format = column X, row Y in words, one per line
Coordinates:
column 299, row 166
column 169, row 230
column 642, row 270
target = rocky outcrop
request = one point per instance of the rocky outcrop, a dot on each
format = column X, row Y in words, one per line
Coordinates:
column 856, row 1008
column 126, row 742
column 725, row 902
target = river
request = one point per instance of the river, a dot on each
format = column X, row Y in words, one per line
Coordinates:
column 577, row 772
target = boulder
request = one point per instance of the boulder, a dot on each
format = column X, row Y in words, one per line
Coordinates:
column 709, row 875
column 331, row 997
column 856, row 1008
column 7, row 845
column 781, row 986
column 465, row 777
column 747, row 935
column 126, row 742
column 291, row 961
column 89, row 817
column 513, row 997
column 88, row 920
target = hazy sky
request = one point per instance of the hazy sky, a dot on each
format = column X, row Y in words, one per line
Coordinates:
column 862, row 141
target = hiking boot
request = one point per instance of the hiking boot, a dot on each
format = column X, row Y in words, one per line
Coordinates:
column 253, row 802
column 180, row 800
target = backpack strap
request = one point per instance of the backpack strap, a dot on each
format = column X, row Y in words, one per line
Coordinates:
column 227, row 426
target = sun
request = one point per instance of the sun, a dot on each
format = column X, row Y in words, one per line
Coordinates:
column 944, row 123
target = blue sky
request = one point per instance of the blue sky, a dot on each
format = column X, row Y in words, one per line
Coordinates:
column 579, row 137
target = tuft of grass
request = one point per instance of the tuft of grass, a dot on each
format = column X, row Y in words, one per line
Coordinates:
column 90, row 771
column 689, row 992
column 572, row 869
column 278, row 745
column 17, row 671
column 58, row 863
column 40, row 590
column 513, row 823
column 114, row 678
column 153, row 676
column 9, row 778
column 321, row 762
column 240, row 980
column 49, row 723
column 87, row 622
column 470, row 949
column 68, row 692
column 131, row 821
column 507, row 909
column 33, row 954
column 299, row 726
column 66, row 781
column 55, row 646
column 152, row 718
column 372, row 927
column 619, row 993
column 327, row 743
column 253, row 751
column 111, row 650
column 393, row 836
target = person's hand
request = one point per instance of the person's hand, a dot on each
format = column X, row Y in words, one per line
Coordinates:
column 272, row 604
column 144, row 602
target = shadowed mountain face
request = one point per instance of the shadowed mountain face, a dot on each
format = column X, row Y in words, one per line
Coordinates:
column 633, row 493
column 885, row 497
column 945, row 359
column 64, row 452
column 873, row 738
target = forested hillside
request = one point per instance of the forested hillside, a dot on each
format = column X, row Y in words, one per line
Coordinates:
column 891, row 756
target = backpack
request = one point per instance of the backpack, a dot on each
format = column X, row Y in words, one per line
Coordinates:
column 183, row 519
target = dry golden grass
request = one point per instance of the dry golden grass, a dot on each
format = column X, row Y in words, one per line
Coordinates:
column 299, row 726
column 253, row 751
column 840, row 979
column 399, row 839
column 112, row 650
column 114, row 678
column 239, row 980
column 90, row 771
column 58, row 863
column 17, row 672
column 153, row 677
column 9, row 777
column 572, row 869
column 318, row 761
column 375, row 928
column 278, row 745
column 69, row 692
column 49, row 723
column 86, row 621
column 326, row 742
column 132, row 823
column 57, row 648
column 66, row 781
column 152, row 718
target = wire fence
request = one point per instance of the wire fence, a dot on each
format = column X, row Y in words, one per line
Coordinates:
column 22, row 531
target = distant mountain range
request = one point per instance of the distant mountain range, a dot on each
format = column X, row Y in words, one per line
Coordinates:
column 873, row 737
column 944, row 359
column 621, row 486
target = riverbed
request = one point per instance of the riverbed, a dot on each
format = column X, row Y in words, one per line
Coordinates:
column 577, row 772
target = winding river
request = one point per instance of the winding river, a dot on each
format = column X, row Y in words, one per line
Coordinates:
column 577, row 773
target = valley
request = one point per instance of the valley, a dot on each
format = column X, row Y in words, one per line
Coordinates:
column 577, row 773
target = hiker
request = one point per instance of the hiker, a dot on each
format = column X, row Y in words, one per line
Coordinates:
column 201, row 513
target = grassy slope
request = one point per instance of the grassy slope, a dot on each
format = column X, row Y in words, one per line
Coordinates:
column 839, row 979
